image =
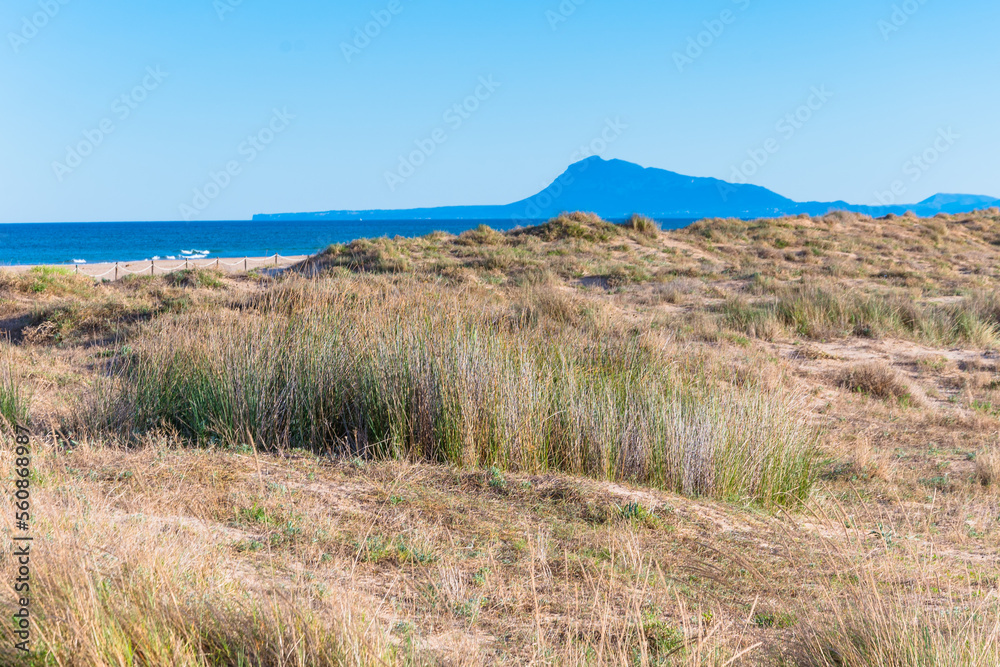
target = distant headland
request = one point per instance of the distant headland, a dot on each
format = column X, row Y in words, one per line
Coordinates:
column 615, row 189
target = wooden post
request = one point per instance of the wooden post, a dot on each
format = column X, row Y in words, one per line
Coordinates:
column 275, row 259
column 152, row 267
column 185, row 264
column 116, row 271
column 245, row 265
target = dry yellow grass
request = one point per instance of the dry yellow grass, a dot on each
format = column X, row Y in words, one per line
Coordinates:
column 256, row 548
column 876, row 379
column 988, row 467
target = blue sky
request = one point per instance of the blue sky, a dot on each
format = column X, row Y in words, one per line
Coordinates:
column 219, row 109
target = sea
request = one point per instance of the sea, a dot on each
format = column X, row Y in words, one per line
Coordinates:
column 94, row 242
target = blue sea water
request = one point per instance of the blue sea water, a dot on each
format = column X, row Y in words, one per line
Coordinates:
column 93, row 242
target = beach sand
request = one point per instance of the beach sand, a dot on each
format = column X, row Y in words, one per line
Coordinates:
column 118, row 270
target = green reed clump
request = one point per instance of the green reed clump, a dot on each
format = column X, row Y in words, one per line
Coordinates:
column 450, row 386
column 14, row 396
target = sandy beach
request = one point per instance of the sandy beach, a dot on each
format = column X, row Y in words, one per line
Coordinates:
column 118, row 270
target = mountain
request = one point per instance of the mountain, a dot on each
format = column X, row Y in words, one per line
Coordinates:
column 943, row 203
column 616, row 189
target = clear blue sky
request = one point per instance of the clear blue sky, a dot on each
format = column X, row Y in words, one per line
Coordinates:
column 228, row 68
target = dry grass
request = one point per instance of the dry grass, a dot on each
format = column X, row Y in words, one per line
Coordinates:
column 988, row 467
column 117, row 588
column 889, row 601
column 581, row 443
column 876, row 379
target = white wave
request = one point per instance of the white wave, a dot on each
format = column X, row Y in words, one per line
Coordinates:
column 79, row 261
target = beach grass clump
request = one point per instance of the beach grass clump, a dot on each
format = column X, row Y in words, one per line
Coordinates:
column 750, row 319
column 481, row 235
column 380, row 255
column 14, row 396
column 643, row 225
column 452, row 385
column 876, row 379
column 196, row 278
column 577, row 225
column 70, row 320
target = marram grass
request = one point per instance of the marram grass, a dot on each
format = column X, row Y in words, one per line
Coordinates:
column 455, row 387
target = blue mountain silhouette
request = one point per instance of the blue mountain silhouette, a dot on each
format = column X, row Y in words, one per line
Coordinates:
column 615, row 189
